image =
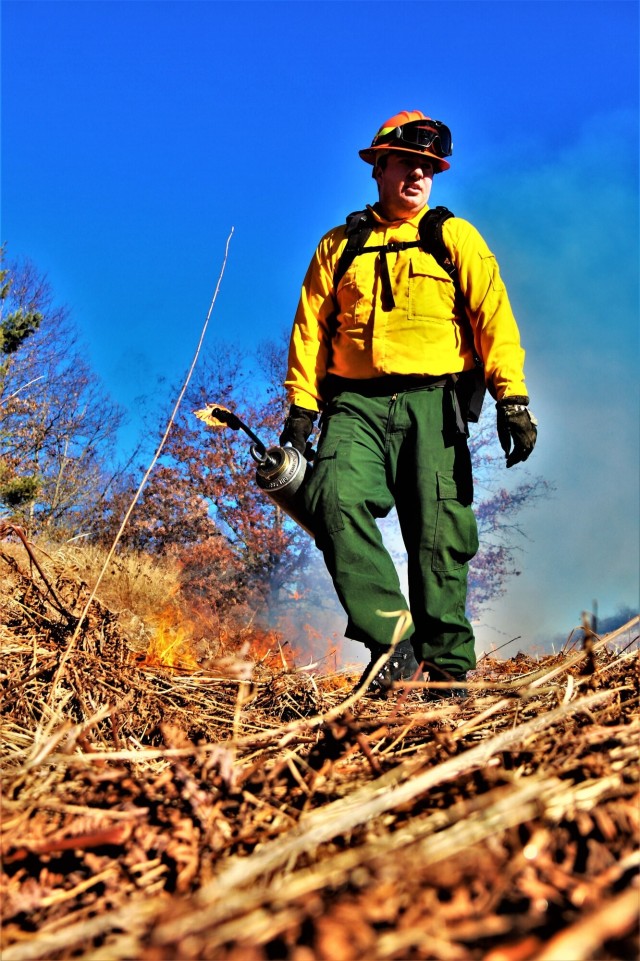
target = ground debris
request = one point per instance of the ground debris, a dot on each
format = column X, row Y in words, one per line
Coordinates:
column 238, row 812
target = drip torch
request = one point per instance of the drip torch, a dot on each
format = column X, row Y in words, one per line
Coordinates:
column 280, row 472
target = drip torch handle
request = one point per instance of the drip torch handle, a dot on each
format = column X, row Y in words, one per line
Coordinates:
column 262, row 457
column 259, row 456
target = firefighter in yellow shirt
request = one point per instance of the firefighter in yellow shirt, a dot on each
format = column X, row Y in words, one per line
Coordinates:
column 402, row 314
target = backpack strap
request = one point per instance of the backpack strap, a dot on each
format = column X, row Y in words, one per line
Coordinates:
column 430, row 230
column 359, row 227
column 470, row 392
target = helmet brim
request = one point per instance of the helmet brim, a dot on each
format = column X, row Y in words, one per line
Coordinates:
column 369, row 155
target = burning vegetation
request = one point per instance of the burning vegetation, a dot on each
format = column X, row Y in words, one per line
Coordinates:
column 173, row 789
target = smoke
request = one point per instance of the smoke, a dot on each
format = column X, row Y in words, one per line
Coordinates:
column 565, row 232
column 308, row 619
column 600, row 626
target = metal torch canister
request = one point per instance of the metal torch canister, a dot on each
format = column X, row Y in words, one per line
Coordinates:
column 281, row 473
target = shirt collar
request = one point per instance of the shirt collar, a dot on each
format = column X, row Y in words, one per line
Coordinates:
column 414, row 221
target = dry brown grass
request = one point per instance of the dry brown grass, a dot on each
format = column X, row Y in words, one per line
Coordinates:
column 235, row 812
column 133, row 581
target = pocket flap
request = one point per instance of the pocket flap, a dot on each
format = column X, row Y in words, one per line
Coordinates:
column 425, row 265
column 328, row 450
column 453, row 487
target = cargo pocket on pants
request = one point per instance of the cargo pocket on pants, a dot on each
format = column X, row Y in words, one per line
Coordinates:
column 456, row 534
column 321, row 492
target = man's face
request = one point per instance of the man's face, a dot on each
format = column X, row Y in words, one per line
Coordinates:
column 404, row 184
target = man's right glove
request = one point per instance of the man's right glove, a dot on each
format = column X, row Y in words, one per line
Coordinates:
column 298, row 427
column 516, row 425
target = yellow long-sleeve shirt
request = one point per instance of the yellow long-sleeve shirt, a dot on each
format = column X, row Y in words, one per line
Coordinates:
column 422, row 333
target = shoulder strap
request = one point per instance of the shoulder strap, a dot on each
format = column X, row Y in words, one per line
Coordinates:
column 359, row 227
column 430, row 231
column 469, row 392
column 431, row 240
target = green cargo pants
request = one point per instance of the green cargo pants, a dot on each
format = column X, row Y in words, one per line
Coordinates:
column 398, row 448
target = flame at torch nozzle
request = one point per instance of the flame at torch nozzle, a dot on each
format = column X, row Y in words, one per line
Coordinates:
column 215, row 416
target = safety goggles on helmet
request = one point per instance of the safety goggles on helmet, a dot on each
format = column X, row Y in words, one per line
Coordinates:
column 419, row 135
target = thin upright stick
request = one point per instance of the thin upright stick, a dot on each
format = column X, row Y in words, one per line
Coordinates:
column 144, row 480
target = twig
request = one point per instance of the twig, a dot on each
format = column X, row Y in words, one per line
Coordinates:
column 13, row 529
column 23, row 387
column 496, row 649
column 632, row 641
column 614, row 919
column 134, row 501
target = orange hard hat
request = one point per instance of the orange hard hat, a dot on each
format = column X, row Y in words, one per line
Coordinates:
column 411, row 131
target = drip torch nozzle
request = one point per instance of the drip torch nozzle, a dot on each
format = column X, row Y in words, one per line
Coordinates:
column 233, row 421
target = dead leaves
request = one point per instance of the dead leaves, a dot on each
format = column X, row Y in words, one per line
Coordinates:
column 243, row 815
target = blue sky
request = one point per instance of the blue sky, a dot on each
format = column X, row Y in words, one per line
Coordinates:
column 136, row 134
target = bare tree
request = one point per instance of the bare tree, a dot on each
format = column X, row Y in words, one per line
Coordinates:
column 57, row 425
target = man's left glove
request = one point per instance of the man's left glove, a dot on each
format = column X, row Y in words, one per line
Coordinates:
column 298, row 427
column 516, row 426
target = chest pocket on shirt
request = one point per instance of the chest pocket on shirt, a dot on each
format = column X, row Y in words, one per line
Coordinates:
column 355, row 297
column 431, row 290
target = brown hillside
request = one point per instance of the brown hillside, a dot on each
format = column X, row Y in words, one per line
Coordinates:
column 237, row 809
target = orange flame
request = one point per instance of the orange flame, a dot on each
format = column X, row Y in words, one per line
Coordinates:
column 268, row 647
column 210, row 415
column 172, row 643
column 178, row 642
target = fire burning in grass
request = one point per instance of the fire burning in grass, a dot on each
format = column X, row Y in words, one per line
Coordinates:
column 189, row 641
column 270, row 648
column 172, row 644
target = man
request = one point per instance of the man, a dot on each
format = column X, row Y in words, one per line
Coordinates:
column 382, row 346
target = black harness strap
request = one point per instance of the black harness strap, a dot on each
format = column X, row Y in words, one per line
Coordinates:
column 387, row 301
column 430, row 230
column 360, row 224
column 431, row 240
column 359, row 227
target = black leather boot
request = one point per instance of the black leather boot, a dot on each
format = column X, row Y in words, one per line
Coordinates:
column 401, row 666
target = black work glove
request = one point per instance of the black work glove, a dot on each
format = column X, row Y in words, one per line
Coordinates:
column 516, row 425
column 298, row 427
